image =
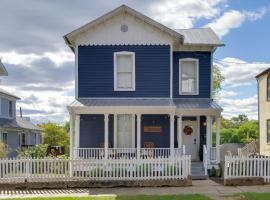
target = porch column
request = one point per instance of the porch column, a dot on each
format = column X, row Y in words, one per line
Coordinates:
column 208, row 136
column 179, row 131
column 138, row 135
column 106, row 134
column 71, row 135
column 218, row 138
column 76, row 136
column 171, row 133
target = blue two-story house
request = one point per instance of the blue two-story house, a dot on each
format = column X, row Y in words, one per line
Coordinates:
column 141, row 85
column 15, row 132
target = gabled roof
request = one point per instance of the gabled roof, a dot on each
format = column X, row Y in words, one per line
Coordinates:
column 117, row 11
column 4, row 92
column 3, row 71
column 262, row 73
column 200, row 36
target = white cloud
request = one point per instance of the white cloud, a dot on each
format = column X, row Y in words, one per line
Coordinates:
column 226, row 93
column 234, row 107
column 238, row 72
column 182, row 14
column 233, row 19
column 26, row 59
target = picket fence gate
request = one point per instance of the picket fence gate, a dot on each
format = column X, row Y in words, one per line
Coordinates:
column 46, row 170
column 247, row 166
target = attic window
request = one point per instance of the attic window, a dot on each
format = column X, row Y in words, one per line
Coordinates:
column 124, row 28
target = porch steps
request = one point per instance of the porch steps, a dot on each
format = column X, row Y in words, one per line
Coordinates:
column 197, row 171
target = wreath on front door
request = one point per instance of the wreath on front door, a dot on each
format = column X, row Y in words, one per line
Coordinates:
column 188, row 130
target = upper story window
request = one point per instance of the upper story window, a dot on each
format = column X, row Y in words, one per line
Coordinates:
column 10, row 108
column 188, row 76
column 124, row 71
column 268, row 87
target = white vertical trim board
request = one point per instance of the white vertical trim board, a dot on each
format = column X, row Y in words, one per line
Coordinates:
column 180, row 76
column 171, row 71
column 133, row 71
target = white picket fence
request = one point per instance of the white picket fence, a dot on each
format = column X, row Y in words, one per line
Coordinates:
column 46, row 170
column 244, row 166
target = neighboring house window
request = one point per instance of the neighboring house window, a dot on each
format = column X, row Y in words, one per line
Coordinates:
column 5, row 138
column 268, row 87
column 23, row 139
column 124, row 71
column 188, row 76
column 268, row 131
column 10, row 108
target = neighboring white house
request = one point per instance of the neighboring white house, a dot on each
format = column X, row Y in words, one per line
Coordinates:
column 15, row 132
column 264, row 110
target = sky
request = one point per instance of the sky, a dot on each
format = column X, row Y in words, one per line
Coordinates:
column 41, row 66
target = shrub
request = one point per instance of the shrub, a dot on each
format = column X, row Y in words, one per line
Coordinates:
column 3, row 150
column 38, row 151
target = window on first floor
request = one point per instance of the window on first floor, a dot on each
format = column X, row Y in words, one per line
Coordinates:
column 188, row 76
column 124, row 71
column 5, row 138
column 23, row 138
column 268, row 131
column 268, row 87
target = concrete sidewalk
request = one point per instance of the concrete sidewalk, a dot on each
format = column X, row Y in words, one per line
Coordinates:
column 206, row 187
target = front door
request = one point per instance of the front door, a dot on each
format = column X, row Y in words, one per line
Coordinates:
column 191, row 138
column 124, row 131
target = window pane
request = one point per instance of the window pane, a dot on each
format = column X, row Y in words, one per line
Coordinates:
column 268, row 131
column 188, row 77
column 124, row 80
column 5, row 138
column 124, row 132
column 268, row 88
column 124, row 63
column 10, row 108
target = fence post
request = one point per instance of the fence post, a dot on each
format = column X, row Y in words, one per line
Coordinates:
column 225, row 167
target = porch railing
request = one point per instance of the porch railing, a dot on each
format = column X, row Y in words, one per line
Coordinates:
column 213, row 155
column 116, row 153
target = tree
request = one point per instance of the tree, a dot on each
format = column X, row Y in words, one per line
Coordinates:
column 248, row 131
column 218, row 78
column 56, row 135
column 3, row 150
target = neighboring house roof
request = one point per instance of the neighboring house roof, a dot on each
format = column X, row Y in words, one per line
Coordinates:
column 3, row 71
column 4, row 92
column 200, row 36
column 264, row 72
column 181, row 35
column 178, row 103
column 18, row 123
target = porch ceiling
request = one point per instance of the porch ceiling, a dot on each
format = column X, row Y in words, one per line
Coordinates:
column 179, row 106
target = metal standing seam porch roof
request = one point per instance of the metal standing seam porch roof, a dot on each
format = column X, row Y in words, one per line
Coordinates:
column 173, row 103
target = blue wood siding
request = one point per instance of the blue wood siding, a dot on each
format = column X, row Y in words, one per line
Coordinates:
column 96, row 71
column 204, row 73
column 92, row 131
column 4, row 107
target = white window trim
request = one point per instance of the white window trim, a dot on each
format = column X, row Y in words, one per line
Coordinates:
column 0, row 105
column 180, row 76
column 115, row 70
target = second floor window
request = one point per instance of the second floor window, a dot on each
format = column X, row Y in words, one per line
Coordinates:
column 124, row 71
column 10, row 108
column 268, row 87
column 188, row 76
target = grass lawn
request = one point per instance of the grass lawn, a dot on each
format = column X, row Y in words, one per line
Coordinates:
column 253, row 196
column 140, row 197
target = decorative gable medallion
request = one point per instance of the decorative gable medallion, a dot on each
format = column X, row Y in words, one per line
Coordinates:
column 124, row 28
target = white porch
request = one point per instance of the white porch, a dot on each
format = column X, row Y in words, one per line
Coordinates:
column 176, row 112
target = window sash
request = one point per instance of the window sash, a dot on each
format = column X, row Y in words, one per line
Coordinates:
column 124, row 71
column 10, row 108
column 268, row 130
column 188, row 77
column 5, row 138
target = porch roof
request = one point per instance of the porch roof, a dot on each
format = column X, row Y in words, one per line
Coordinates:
column 178, row 105
column 20, row 123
